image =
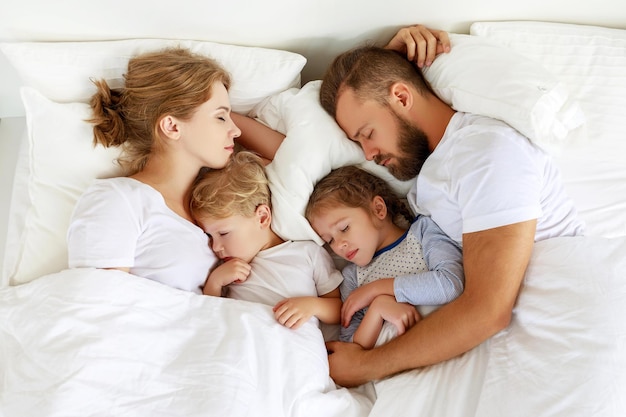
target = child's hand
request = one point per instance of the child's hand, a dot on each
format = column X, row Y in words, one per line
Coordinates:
column 293, row 312
column 363, row 296
column 402, row 315
column 233, row 270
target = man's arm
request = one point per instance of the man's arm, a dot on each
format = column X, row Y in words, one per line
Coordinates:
column 257, row 137
column 420, row 44
column 495, row 261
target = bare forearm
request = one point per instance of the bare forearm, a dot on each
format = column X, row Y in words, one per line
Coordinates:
column 257, row 137
column 329, row 310
column 444, row 334
column 495, row 262
column 369, row 329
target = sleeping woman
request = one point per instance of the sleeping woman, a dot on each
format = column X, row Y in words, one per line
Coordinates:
column 172, row 118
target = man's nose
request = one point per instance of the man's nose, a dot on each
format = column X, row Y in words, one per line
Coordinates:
column 369, row 151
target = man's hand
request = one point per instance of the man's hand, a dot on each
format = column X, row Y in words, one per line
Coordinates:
column 345, row 361
column 420, row 44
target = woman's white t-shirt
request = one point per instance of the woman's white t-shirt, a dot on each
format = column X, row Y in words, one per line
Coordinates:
column 484, row 174
column 124, row 223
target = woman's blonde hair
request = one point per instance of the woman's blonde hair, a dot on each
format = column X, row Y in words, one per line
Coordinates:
column 172, row 82
column 351, row 186
column 237, row 189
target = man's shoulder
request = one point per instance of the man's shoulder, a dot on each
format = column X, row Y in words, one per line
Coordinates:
column 468, row 132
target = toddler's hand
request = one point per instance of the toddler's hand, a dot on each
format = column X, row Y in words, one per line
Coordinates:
column 293, row 312
column 233, row 270
column 402, row 315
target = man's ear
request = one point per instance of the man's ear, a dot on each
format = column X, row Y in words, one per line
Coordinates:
column 169, row 126
column 401, row 95
column 379, row 208
column 264, row 215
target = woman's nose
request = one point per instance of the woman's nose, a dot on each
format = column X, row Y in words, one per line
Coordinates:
column 236, row 132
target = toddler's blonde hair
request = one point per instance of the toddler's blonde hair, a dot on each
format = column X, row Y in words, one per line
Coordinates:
column 237, row 189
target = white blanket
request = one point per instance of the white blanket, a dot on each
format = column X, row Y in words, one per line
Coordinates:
column 103, row 343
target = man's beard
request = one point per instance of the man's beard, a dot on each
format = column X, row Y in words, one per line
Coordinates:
column 413, row 147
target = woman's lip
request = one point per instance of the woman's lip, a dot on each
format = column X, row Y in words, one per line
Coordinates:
column 226, row 258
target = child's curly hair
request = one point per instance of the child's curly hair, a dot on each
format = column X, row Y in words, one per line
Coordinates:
column 237, row 189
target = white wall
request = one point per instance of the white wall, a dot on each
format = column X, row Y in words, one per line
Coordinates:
column 318, row 29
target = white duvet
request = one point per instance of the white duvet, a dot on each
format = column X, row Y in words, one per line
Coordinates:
column 103, row 343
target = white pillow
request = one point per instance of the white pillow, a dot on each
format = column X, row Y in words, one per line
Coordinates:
column 591, row 62
column 314, row 145
column 483, row 77
column 62, row 162
column 62, row 71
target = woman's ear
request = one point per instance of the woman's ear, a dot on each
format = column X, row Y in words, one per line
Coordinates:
column 264, row 215
column 170, row 127
column 379, row 208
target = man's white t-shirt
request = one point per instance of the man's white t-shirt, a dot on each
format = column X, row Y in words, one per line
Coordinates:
column 484, row 174
column 291, row 269
column 122, row 222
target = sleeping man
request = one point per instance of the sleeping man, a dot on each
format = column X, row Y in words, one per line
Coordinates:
column 484, row 184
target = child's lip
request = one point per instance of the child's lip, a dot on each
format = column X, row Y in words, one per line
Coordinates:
column 351, row 254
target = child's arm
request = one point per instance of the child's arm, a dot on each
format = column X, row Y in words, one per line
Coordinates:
column 384, row 307
column 442, row 283
column 293, row 312
column 444, row 280
column 257, row 137
column 233, row 270
column 369, row 329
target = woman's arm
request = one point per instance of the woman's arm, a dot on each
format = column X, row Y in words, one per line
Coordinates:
column 257, row 137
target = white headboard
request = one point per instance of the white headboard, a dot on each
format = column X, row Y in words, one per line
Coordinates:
column 317, row 29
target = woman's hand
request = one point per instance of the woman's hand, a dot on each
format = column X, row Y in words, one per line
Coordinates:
column 420, row 44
